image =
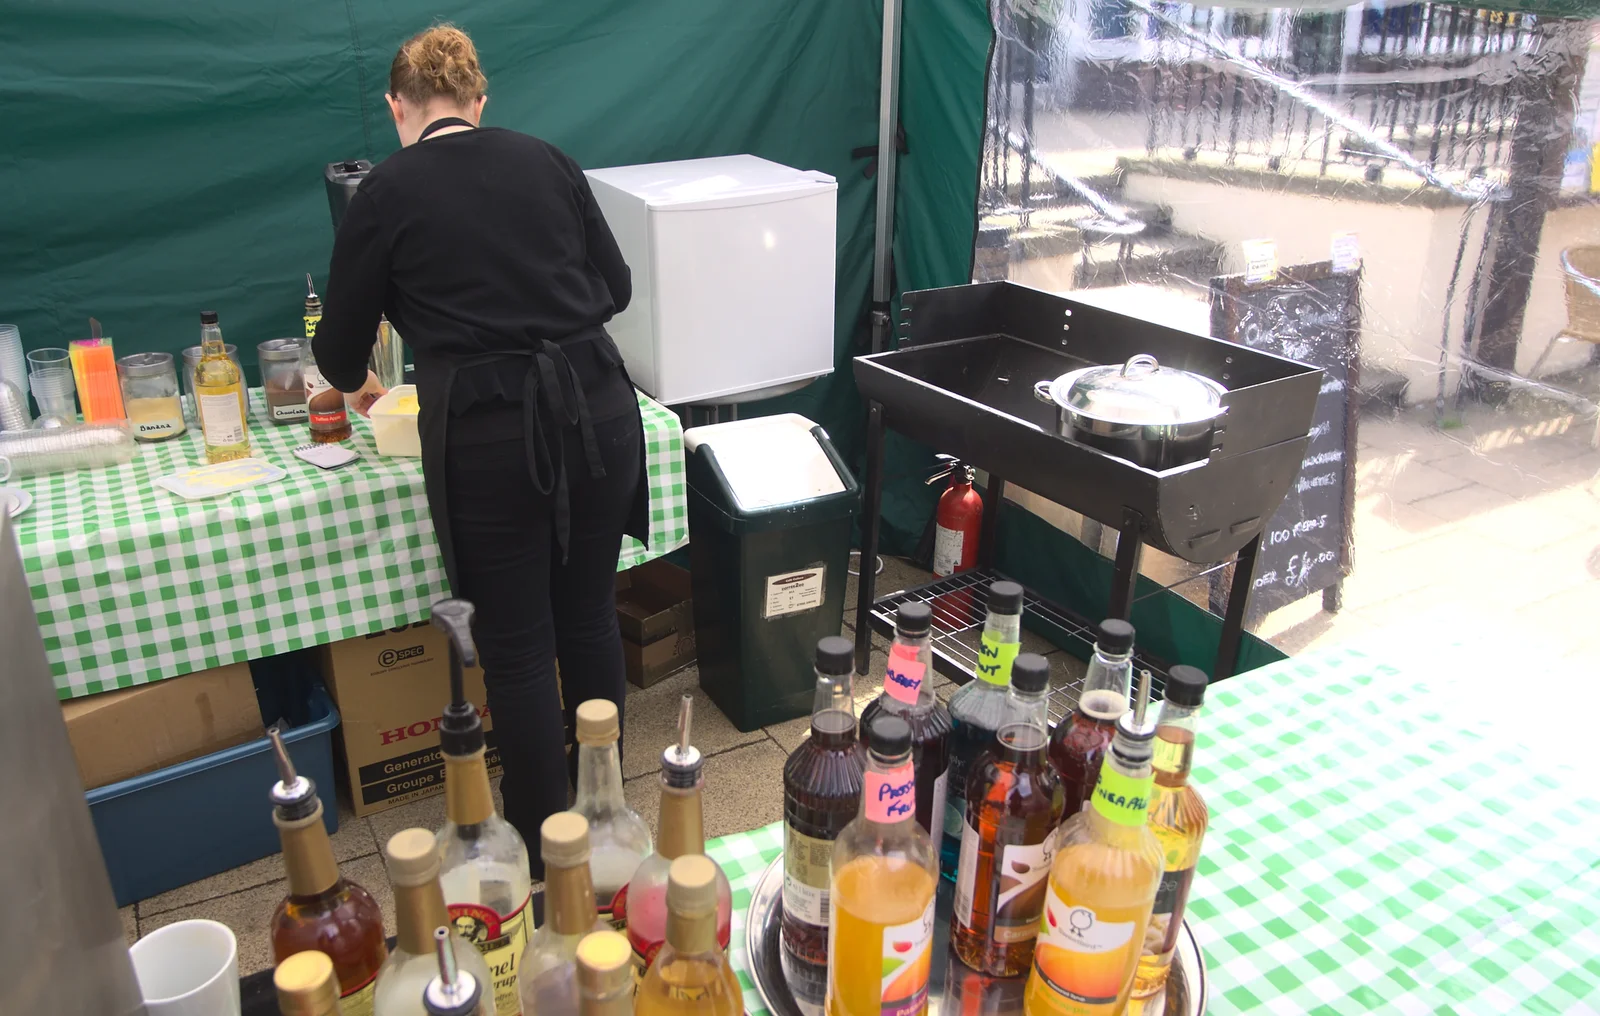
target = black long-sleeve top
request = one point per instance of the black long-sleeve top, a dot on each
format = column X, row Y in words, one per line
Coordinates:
column 476, row 242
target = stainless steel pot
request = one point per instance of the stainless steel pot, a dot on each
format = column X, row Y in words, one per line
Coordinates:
column 1157, row 417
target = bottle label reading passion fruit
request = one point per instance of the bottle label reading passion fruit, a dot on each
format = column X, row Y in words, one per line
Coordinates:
column 907, row 961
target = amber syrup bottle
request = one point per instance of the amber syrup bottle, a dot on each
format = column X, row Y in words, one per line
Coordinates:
column 821, row 795
column 1079, row 743
column 1014, row 805
column 323, row 911
column 1178, row 817
column 908, row 694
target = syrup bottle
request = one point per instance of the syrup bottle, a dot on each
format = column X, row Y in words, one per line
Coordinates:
column 618, row 837
column 323, row 910
column 691, row 975
column 642, row 903
column 1103, row 886
column 1014, row 805
column 821, row 794
column 977, row 711
column 908, row 693
column 1080, row 741
column 1178, row 817
column 485, row 872
column 885, row 872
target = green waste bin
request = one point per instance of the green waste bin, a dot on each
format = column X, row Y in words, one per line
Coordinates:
column 770, row 513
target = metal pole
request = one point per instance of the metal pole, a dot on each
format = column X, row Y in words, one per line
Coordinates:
column 871, row 505
column 883, row 230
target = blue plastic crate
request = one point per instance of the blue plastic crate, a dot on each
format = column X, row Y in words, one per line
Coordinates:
column 197, row 818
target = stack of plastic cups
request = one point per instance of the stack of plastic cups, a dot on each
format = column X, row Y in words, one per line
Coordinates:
column 13, row 367
column 13, row 380
column 50, row 379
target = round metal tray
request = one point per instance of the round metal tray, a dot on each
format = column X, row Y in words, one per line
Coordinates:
column 792, row 988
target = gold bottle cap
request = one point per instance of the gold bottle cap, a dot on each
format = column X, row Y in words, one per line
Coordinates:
column 605, row 962
column 692, row 885
column 564, row 840
column 306, row 985
column 597, row 722
column 413, row 856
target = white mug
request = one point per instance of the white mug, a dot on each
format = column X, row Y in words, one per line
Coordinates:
column 190, row 968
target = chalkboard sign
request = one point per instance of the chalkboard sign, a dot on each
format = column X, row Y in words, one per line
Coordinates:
column 1312, row 314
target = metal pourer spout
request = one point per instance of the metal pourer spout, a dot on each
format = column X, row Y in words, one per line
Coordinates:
column 1142, row 702
column 292, row 792
column 454, row 992
column 681, row 762
column 460, row 729
column 311, row 289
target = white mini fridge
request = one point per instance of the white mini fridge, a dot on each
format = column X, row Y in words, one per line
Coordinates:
column 732, row 263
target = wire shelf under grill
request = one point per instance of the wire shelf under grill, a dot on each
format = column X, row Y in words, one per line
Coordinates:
column 960, row 603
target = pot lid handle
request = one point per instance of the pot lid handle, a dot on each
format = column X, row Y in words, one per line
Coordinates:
column 1140, row 365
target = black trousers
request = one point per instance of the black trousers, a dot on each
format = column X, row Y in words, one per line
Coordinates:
column 533, row 609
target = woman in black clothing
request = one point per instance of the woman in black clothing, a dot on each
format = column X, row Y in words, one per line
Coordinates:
column 486, row 250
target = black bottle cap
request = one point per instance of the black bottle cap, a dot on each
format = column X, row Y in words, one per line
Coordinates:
column 836, row 655
column 913, row 618
column 1005, row 598
column 1114, row 636
column 889, row 736
column 1030, row 672
column 1186, row 685
column 208, row 317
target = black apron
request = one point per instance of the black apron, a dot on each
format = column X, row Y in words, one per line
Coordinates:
column 552, row 401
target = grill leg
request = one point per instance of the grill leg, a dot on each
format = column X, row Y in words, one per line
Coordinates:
column 991, row 522
column 1244, row 570
column 1125, row 571
column 871, row 502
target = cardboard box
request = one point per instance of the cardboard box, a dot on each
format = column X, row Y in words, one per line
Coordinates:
column 656, row 615
column 391, row 688
column 121, row 734
column 660, row 659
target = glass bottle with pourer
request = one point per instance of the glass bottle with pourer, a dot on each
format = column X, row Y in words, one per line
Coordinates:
column 454, row 991
column 484, row 863
column 323, row 910
column 682, row 831
column 412, row 857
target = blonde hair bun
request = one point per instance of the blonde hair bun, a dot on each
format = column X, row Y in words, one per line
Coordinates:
column 441, row 62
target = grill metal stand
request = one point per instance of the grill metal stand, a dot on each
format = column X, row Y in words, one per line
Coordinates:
column 962, row 380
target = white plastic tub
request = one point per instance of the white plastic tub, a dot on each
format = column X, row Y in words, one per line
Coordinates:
column 395, row 427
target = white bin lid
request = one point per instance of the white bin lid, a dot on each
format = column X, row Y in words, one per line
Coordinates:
column 721, row 182
column 769, row 461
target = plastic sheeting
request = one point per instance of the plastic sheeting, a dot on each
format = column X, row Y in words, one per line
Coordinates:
column 1138, row 153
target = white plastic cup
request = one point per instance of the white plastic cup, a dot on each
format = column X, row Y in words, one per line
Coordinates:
column 190, row 968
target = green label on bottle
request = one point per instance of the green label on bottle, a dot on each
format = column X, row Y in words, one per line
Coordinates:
column 995, row 659
column 1121, row 798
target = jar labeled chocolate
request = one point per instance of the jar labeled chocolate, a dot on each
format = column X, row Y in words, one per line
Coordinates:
column 150, row 396
column 282, row 381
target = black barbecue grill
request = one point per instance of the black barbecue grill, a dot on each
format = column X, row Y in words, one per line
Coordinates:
column 962, row 381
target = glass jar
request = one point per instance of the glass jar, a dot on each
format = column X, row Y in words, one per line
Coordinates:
column 191, row 357
column 150, row 396
column 282, row 381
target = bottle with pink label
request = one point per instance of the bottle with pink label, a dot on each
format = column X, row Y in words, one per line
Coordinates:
column 908, row 694
column 885, row 871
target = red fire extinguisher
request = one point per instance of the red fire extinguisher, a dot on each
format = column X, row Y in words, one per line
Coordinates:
column 957, row 523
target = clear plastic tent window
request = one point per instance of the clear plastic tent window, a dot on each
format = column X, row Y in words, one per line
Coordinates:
column 1421, row 181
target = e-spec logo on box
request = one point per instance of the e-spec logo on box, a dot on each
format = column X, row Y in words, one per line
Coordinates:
column 389, row 657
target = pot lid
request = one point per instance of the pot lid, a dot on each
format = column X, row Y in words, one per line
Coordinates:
column 1140, row 391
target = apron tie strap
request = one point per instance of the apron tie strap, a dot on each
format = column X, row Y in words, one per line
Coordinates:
column 551, row 390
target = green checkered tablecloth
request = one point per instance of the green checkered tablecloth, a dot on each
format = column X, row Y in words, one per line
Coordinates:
column 1385, row 838
column 743, row 857
column 133, row 584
